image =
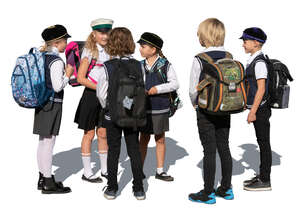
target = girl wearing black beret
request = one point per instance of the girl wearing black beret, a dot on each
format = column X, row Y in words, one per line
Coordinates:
column 48, row 118
column 160, row 80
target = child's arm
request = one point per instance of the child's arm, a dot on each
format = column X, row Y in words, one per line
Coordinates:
column 59, row 78
column 171, row 85
column 82, row 71
column 102, row 85
column 194, row 80
column 261, row 84
column 261, row 73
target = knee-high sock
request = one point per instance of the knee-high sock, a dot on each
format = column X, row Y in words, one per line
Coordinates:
column 45, row 152
column 87, row 170
column 103, row 161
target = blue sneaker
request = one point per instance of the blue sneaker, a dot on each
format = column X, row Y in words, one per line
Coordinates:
column 225, row 193
column 203, row 197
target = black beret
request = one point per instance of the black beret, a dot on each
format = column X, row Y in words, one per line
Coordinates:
column 55, row 32
column 254, row 33
column 152, row 39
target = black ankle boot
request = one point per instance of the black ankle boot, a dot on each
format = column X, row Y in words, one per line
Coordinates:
column 51, row 187
column 40, row 181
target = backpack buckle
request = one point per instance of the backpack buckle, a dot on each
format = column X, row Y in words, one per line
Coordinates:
column 232, row 87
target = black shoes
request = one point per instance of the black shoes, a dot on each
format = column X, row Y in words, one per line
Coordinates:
column 258, row 185
column 163, row 176
column 40, row 181
column 52, row 187
column 225, row 193
column 109, row 193
column 247, row 182
column 139, row 195
column 203, row 197
column 93, row 180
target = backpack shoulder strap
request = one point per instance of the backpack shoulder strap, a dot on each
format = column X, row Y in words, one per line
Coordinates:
column 228, row 55
column 205, row 57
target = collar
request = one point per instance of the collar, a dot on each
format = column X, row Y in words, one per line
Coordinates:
column 147, row 64
column 100, row 48
column 252, row 57
column 54, row 50
column 129, row 56
column 214, row 48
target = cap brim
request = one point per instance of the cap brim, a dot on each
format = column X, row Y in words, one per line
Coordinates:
column 104, row 30
column 67, row 36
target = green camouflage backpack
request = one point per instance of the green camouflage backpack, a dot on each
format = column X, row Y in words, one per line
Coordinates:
column 221, row 88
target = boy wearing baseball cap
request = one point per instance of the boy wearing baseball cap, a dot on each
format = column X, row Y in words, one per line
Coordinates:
column 257, row 103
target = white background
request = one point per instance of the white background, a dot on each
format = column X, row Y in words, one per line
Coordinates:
column 176, row 22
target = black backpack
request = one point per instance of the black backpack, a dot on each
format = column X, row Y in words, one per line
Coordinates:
column 126, row 93
column 279, row 90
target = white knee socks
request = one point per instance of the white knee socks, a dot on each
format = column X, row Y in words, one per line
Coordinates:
column 103, row 161
column 44, row 155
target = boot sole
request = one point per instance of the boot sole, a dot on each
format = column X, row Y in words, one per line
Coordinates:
column 258, row 189
column 55, row 192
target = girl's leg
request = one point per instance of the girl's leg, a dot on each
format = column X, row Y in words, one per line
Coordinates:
column 45, row 152
column 86, row 153
column 102, row 149
column 144, row 140
column 160, row 151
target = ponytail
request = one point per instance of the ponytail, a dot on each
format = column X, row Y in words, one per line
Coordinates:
column 161, row 54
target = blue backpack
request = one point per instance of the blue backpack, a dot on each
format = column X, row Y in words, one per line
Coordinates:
column 28, row 80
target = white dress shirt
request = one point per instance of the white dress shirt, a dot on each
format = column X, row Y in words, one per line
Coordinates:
column 261, row 71
column 57, row 72
column 102, row 57
column 195, row 74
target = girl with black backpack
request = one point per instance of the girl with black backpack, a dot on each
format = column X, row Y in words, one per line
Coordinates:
column 121, row 91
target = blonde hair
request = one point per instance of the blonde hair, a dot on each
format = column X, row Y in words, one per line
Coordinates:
column 48, row 45
column 90, row 44
column 211, row 32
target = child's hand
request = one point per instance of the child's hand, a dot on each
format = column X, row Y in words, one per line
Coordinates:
column 69, row 70
column 152, row 91
column 251, row 117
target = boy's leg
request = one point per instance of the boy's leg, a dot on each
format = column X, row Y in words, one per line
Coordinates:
column 262, row 131
column 144, row 140
column 132, row 145
column 114, row 134
column 222, row 136
column 207, row 136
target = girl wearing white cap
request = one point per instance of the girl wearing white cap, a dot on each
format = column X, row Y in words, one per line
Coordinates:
column 89, row 112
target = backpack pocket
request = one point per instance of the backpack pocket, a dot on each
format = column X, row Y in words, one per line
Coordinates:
column 204, row 93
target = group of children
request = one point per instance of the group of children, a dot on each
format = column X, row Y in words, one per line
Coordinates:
column 112, row 49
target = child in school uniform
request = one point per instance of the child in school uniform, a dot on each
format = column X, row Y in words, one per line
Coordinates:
column 213, row 130
column 89, row 114
column 156, row 68
column 257, row 102
column 47, row 119
column 120, row 47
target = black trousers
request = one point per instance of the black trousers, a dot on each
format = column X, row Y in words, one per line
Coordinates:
column 262, row 131
column 114, row 135
column 214, row 134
